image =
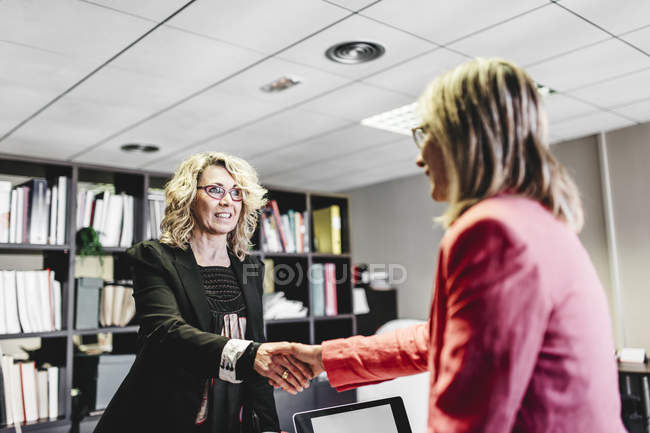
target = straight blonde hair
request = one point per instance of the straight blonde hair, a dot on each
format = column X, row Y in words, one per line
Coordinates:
column 181, row 190
column 488, row 118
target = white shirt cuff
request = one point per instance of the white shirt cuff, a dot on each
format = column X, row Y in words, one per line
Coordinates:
column 232, row 351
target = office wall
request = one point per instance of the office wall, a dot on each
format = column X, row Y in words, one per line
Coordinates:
column 392, row 222
column 629, row 166
column 581, row 158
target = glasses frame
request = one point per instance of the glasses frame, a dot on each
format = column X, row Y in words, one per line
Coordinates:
column 234, row 188
column 421, row 129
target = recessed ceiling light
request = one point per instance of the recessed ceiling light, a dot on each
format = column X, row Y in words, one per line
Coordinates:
column 355, row 52
column 143, row 148
column 400, row 120
column 280, row 84
column 544, row 90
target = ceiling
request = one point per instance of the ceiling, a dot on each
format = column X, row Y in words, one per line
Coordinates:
column 80, row 78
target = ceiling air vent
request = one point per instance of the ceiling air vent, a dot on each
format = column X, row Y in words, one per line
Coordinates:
column 352, row 53
column 144, row 148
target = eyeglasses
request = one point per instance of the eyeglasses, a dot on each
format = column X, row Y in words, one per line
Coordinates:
column 419, row 135
column 218, row 192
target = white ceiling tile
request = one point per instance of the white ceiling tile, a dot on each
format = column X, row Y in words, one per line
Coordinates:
column 354, row 5
column 184, row 57
column 639, row 38
column 639, row 111
column 357, row 101
column 156, row 10
column 560, row 107
column 589, row 65
column 446, row 21
column 313, row 82
column 108, row 102
column 30, row 78
column 352, row 162
column 297, row 124
column 327, row 146
column 546, row 32
column 73, row 28
column 264, row 26
column 413, row 76
column 588, row 125
column 619, row 91
column 615, row 17
column 399, row 46
column 196, row 120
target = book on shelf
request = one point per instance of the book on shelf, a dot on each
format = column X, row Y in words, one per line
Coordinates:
column 28, row 394
column 331, row 301
column 269, row 276
column 323, row 289
column 327, row 229
column 111, row 215
column 283, row 233
column 33, row 212
column 156, row 206
column 31, row 301
column 116, row 305
column 317, row 289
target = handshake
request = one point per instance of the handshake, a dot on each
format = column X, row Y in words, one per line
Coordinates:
column 289, row 366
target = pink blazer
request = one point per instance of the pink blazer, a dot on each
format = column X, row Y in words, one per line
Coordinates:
column 518, row 338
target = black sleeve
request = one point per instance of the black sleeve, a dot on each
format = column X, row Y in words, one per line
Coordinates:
column 257, row 391
column 161, row 324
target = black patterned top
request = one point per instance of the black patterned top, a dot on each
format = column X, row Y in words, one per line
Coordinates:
column 225, row 300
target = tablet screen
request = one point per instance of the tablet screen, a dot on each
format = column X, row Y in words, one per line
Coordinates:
column 378, row 419
column 386, row 415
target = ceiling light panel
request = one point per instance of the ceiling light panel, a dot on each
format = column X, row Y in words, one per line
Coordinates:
column 357, row 101
column 48, row 25
column 399, row 46
column 615, row 17
column 532, row 37
column 439, row 21
column 413, row 76
column 618, row 91
column 589, row 65
column 156, row 10
column 263, row 26
column 588, row 125
column 398, row 120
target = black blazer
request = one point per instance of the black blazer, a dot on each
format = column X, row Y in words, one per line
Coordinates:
column 176, row 351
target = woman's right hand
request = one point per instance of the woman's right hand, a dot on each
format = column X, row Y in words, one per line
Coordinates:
column 275, row 361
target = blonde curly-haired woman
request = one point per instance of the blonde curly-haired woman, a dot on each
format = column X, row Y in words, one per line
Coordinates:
column 199, row 367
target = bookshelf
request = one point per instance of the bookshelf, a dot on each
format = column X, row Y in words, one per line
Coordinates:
column 311, row 329
column 137, row 183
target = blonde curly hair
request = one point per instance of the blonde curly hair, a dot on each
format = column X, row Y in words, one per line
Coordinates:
column 180, row 193
column 488, row 118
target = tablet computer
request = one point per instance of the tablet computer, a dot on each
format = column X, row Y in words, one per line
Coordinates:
column 387, row 415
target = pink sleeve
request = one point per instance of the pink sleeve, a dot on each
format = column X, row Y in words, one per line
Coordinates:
column 496, row 319
column 356, row 361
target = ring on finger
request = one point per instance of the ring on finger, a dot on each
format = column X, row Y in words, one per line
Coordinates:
column 285, row 374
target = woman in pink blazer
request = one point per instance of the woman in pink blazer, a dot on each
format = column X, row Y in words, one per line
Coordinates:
column 518, row 337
